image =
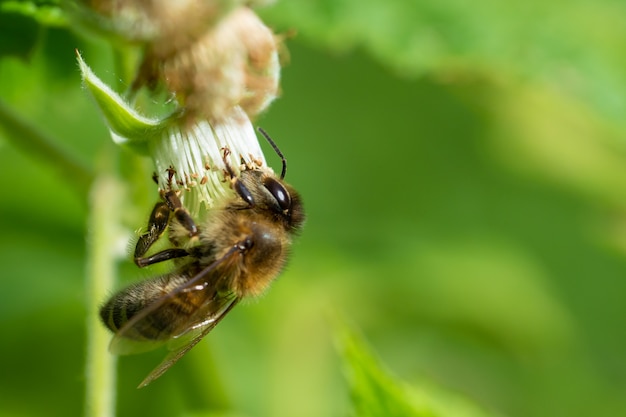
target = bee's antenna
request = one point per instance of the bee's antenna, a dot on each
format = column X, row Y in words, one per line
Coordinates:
column 278, row 152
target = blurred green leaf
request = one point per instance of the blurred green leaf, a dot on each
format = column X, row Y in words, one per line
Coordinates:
column 21, row 23
column 18, row 35
column 575, row 46
column 377, row 393
column 212, row 414
column 489, row 284
column 46, row 12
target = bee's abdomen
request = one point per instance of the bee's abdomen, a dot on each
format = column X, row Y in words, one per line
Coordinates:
column 119, row 309
column 124, row 305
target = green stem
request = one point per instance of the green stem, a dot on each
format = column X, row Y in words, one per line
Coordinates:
column 34, row 142
column 103, row 225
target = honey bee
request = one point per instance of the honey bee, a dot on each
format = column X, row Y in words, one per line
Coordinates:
column 233, row 254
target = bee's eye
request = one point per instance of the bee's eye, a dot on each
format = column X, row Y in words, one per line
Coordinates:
column 278, row 192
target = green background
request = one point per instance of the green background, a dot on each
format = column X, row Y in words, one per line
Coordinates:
column 463, row 168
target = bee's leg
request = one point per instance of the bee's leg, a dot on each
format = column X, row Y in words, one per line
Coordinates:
column 164, row 255
column 159, row 219
column 180, row 213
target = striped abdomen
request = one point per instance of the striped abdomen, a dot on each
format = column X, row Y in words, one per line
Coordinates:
column 158, row 322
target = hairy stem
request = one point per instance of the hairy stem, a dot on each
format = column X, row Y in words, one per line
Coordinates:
column 38, row 144
column 103, row 225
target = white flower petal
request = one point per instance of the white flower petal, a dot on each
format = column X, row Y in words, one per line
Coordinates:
column 192, row 159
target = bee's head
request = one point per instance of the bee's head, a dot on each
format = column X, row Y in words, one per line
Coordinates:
column 266, row 194
column 261, row 190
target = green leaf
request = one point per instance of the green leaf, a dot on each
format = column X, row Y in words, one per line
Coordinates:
column 576, row 47
column 21, row 23
column 18, row 35
column 45, row 13
column 376, row 392
column 128, row 128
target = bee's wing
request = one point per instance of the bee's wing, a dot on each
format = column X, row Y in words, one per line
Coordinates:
column 125, row 341
column 195, row 335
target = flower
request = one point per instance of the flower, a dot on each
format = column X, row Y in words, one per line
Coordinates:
column 190, row 157
column 234, row 63
column 218, row 64
column 210, row 55
column 171, row 24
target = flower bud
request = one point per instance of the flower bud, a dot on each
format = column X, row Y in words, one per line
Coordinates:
column 167, row 23
column 234, row 64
